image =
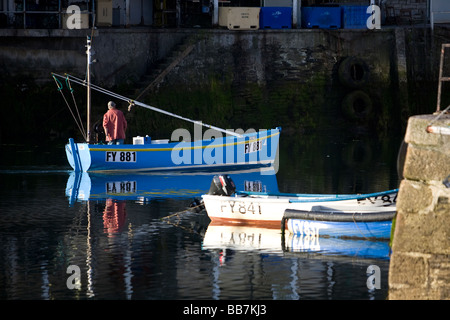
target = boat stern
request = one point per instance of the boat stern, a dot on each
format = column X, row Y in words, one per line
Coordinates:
column 78, row 155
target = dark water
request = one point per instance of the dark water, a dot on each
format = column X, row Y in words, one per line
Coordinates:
column 139, row 248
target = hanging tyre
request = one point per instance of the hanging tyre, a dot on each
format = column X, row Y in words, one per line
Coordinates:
column 353, row 72
column 357, row 105
column 357, row 154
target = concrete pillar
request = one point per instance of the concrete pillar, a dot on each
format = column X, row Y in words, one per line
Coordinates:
column 420, row 262
column 215, row 13
column 402, row 69
column 294, row 13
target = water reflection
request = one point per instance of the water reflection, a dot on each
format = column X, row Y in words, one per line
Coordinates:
column 260, row 261
column 145, row 187
column 114, row 216
column 234, row 237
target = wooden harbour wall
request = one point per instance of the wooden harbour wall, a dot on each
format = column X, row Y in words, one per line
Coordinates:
column 420, row 263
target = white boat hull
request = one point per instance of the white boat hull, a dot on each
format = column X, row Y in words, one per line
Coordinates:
column 268, row 211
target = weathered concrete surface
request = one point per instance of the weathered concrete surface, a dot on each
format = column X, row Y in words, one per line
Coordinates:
column 250, row 56
column 260, row 78
column 121, row 54
column 420, row 263
column 266, row 56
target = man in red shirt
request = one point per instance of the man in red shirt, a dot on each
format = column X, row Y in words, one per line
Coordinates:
column 115, row 124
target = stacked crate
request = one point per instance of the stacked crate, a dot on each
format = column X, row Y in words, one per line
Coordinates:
column 239, row 18
column 328, row 17
column 276, row 18
column 354, row 17
column 335, row 17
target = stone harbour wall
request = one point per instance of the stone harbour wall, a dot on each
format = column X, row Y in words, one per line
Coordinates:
column 420, row 263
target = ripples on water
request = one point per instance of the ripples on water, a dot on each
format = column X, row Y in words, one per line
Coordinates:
column 126, row 250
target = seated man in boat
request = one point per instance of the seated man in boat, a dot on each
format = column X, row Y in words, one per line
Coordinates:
column 115, row 124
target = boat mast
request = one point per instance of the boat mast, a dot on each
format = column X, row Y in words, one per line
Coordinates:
column 88, row 80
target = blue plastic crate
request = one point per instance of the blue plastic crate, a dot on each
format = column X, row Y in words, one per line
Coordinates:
column 321, row 17
column 275, row 18
column 354, row 17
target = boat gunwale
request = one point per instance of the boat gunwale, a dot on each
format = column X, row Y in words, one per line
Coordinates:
column 295, row 198
column 158, row 147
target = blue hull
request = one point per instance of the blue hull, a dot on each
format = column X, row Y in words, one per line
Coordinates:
column 254, row 149
column 369, row 230
column 374, row 224
column 336, row 246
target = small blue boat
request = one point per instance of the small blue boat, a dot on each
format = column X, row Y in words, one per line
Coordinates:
column 374, row 223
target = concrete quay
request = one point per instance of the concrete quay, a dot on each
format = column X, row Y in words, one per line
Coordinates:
column 420, row 262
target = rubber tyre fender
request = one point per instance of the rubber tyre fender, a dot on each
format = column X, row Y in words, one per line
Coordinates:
column 353, row 72
column 357, row 154
column 357, row 105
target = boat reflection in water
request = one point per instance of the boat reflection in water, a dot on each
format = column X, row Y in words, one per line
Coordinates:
column 143, row 187
column 228, row 236
column 297, row 262
column 115, row 189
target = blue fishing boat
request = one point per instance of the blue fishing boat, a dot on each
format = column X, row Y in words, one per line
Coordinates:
column 256, row 149
column 372, row 223
column 212, row 151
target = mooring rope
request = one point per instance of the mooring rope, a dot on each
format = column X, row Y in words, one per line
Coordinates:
column 356, row 224
column 167, row 219
column 183, row 211
column 439, row 115
column 441, row 130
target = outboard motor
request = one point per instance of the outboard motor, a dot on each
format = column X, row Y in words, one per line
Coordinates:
column 222, row 185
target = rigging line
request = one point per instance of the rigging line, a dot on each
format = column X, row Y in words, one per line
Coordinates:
column 95, row 87
column 60, row 86
column 75, row 103
column 70, row 109
column 102, row 90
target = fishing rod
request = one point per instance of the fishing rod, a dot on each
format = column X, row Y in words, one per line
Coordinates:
column 133, row 102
